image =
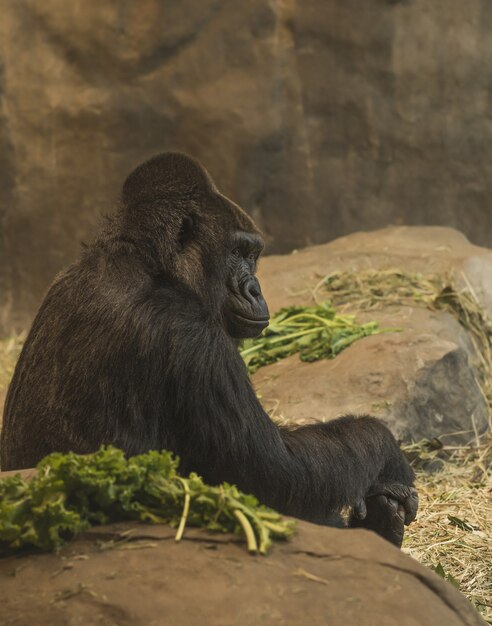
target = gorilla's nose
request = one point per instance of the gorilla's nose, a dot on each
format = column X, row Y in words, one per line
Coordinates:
column 252, row 293
column 252, row 288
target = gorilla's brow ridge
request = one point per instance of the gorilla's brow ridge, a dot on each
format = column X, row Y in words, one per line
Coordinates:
column 251, row 241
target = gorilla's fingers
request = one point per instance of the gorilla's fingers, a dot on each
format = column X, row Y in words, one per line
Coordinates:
column 411, row 505
column 393, row 503
column 383, row 517
column 403, row 495
column 360, row 509
column 397, row 507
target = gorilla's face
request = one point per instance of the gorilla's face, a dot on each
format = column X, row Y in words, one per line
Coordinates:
column 246, row 312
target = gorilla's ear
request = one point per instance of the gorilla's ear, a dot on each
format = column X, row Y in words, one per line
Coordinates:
column 187, row 230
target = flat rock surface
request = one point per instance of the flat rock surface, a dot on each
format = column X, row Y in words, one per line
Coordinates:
column 423, row 380
column 323, row 576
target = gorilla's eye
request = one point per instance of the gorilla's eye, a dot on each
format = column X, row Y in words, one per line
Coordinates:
column 236, row 253
column 187, row 230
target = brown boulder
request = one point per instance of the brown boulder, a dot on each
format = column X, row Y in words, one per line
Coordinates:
column 423, row 381
column 289, row 279
column 130, row 574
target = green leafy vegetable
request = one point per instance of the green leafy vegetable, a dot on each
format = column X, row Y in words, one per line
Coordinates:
column 440, row 571
column 316, row 332
column 72, row 492
column 461, row 523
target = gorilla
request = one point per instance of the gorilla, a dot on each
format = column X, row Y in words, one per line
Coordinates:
column 136, row 345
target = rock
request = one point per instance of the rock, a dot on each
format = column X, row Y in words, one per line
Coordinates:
column 421, row 381
column 420, row 249
column 318, row 127
column 422, row 386
column 323, row 576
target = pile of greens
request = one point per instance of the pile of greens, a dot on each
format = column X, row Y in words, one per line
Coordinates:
column 72, row 492
column 316, row 332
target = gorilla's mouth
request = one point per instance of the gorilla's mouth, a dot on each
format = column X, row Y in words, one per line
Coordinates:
column 246, row 315
column 255, row 321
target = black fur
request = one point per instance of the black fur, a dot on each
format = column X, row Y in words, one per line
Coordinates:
column 130, row 347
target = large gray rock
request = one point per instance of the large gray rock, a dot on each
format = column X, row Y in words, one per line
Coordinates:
column 423, row 381
column 320, row 117
column 322, row 577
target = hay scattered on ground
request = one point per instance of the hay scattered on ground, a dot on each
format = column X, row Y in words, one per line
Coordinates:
column 453, row 532
column 9, row 352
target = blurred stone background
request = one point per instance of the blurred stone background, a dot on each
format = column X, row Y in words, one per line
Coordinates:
column 319, row 117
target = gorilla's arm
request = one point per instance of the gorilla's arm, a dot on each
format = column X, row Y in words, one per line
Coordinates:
column 222, row 432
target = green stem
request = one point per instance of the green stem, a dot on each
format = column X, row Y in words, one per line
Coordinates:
column 186, row 509
column 315, row 329
column 255, row 348
column 248, row 531
column 312, row 316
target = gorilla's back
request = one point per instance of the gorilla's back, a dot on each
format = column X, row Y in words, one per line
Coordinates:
column 64, row 394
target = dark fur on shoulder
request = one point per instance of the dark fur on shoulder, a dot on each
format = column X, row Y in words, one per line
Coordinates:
column 135, row 345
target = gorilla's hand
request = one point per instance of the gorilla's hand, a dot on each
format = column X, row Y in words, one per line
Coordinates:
column 405, row 498
column 386, row 508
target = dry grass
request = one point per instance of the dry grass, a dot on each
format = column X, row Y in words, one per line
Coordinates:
column 9, row 351
column 453, row 532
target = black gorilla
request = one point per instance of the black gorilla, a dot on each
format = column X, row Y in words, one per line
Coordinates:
column 135, row 345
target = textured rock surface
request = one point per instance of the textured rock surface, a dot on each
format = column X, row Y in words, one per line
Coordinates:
column 323, row 576
column 316, row 125
column 422, row 381
column 427, row 250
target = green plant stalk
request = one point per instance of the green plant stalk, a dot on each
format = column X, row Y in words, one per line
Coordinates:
column 315, row 332
column 186, row 510
column 248, row 531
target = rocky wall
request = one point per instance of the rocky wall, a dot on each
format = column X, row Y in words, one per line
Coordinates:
column 320, row 117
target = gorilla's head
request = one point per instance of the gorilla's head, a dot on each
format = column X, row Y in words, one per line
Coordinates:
column 198, row 236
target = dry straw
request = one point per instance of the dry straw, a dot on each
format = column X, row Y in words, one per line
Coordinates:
column 453, row 532
column 9, row 351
